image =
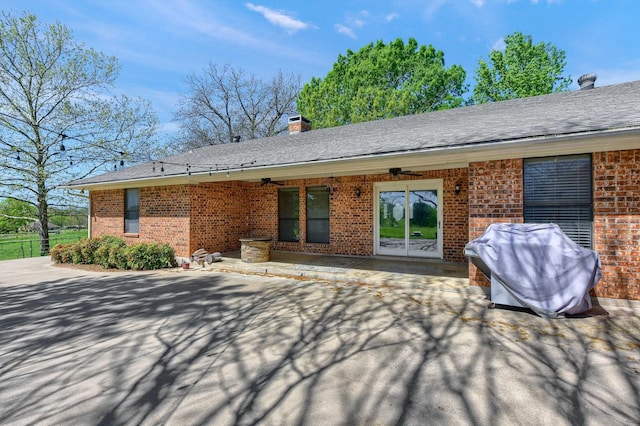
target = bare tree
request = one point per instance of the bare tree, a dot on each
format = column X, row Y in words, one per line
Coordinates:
column 224, row 102
column 57, row 120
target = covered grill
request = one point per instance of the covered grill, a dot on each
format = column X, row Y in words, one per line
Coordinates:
column 536, row 266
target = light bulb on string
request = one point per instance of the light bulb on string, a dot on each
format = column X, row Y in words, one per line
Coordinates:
column 62, row 147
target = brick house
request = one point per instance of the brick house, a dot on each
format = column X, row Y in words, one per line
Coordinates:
column 417, row 186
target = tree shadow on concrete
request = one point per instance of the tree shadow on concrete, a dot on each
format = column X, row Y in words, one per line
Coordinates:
column 207, row 348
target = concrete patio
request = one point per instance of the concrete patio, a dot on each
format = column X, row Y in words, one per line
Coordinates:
column 207, row 347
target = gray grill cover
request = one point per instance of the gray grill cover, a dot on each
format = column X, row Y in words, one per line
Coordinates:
column 539, row 265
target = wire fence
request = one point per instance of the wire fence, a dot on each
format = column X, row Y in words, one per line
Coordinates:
column 23, row 248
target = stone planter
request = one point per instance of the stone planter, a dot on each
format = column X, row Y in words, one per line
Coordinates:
column 255, row 250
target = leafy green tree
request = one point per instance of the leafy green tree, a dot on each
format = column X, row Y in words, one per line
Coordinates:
column 381, row 81
column 69, row 217
column 523, row 69
column 58, row 121
column 15, row 214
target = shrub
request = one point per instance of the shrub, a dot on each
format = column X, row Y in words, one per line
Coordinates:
column 117, row 257
column 150, row 256
column 112, row 252
column 88, row 249
column 61, row 253
column 168, row 256
column 106, row 253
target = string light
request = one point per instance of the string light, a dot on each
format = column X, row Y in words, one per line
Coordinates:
column 64, row 149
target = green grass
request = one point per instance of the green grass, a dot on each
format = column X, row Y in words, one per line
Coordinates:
column 398, row 232
column 17, row 246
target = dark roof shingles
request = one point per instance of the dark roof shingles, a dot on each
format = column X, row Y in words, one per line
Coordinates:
column 603, row 108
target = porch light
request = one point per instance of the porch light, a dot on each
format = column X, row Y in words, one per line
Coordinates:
column 358, row 192
column 456, row 189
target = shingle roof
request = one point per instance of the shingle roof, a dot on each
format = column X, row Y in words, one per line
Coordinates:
column 615, row 107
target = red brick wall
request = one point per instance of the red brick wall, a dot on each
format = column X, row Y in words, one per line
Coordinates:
column 351, row 219
column 616, row 205
column 107, row 212
column 220, row 215
column 165, row 217
column 214, row 216
column 495, row 195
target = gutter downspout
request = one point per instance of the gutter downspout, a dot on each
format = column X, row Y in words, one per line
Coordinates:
column 89, row 217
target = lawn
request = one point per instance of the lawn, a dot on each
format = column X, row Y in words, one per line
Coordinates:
column 17, row 246
column 398, row 232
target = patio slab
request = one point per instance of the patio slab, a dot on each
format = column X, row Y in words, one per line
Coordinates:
column 399, row 273
column 205, row 347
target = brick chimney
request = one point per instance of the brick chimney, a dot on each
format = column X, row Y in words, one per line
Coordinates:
column 298, row 124
column 587, row 81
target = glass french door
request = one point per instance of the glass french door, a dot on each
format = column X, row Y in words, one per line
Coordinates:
column 408, row 218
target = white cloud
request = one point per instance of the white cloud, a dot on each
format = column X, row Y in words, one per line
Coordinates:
column 355, row 22
column 344, row 30
column 433, row 7
column 390, row 17
column 278, row 18
column 478, row 3
column 499, row 44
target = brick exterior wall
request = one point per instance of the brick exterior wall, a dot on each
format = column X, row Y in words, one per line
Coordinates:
column 165, row 217
column 351, row 217
column 616, row 205
column 215, row 216
column 496, row 195
column 107, row 212
column 220, row 215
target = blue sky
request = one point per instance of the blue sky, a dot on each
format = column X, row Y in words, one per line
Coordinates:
column 159, row 42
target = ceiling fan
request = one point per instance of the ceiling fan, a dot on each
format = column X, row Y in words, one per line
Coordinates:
column 395, row 171
column 267, row 181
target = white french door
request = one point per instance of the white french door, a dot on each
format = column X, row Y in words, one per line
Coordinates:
column 408, row 218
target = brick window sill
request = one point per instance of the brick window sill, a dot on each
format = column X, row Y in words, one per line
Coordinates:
column 131, row 235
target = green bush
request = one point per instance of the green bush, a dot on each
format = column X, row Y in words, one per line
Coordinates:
column 106, row 253
column 112, row 252
column 62, row 253
column 150, row 256
column 88, row 249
